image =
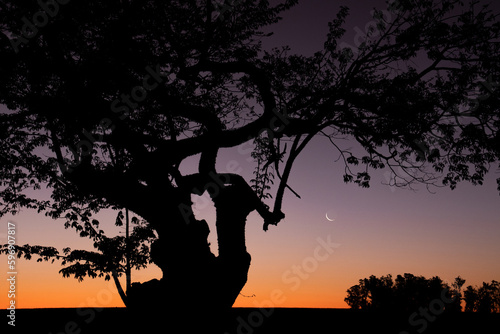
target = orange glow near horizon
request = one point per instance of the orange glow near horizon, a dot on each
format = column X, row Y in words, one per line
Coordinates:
column 39, row 285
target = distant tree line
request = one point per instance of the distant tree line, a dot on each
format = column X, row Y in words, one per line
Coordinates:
column 408, row 293
column 483, row 299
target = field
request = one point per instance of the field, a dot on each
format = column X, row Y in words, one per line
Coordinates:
column 254, row 321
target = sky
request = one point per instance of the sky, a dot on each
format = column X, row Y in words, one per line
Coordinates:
column 307, row 260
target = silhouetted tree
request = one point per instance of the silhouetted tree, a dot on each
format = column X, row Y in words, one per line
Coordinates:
column 471, row 299
column 380, row 292
column 484, row 299
column 110, row 258
column 104, row 96
column 456, row 294
column 357, row 296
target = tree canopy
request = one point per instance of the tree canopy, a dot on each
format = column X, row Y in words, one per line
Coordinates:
column 120, row 93
column 483, row 299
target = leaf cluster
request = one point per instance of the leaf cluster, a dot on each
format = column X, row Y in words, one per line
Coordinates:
column 110, row 253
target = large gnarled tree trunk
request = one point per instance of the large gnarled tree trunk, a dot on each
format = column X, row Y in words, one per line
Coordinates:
column 197, row 289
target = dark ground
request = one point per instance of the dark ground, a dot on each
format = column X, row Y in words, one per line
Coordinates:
column 251, row 321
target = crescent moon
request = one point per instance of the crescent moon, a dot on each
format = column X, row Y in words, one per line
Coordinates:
column 327, row 218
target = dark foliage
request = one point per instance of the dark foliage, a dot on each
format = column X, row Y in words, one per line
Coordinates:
column 407, row 293
column 483, row 299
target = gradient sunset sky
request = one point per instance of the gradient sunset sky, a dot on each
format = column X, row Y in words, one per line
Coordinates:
column 376, row 231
